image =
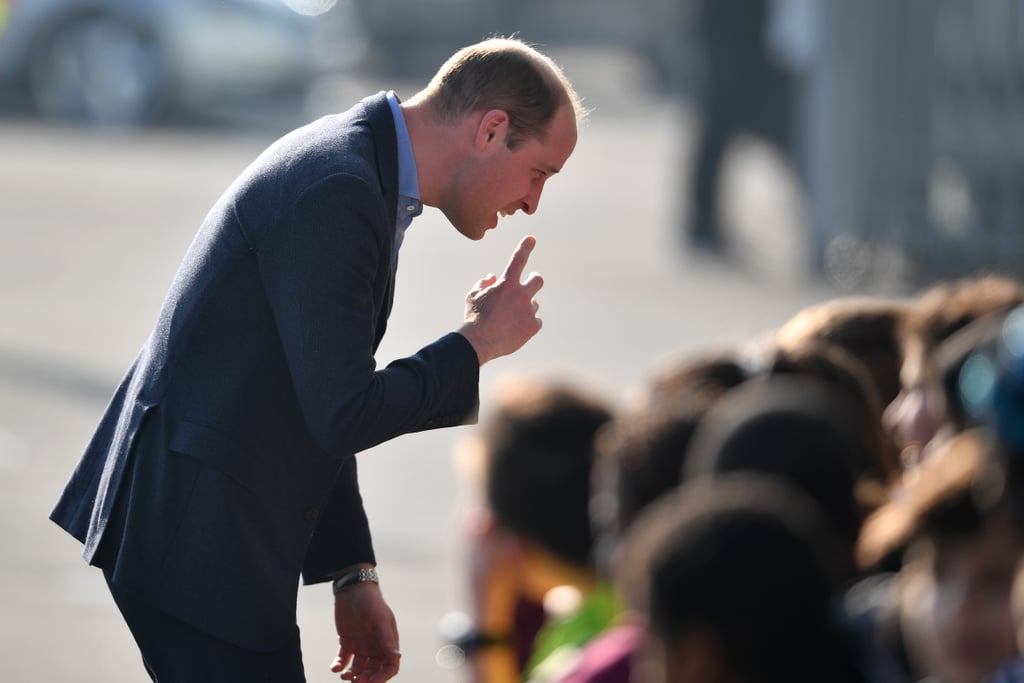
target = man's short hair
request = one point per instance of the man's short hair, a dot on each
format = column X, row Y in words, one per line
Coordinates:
column 505, row 74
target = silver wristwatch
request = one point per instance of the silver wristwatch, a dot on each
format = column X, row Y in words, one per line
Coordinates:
column 353, row 577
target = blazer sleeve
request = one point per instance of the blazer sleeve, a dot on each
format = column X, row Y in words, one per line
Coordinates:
column 342, row 535
column 319, row 268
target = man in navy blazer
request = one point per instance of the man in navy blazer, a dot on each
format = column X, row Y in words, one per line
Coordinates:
column 224, row 467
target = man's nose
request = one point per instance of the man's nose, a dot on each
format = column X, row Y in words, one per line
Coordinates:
column 532, row 200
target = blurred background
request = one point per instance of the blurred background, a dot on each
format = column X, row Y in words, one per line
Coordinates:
column 743, row 159
column 897, row 121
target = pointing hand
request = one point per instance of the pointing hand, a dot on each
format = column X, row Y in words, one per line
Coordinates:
column 501, row 313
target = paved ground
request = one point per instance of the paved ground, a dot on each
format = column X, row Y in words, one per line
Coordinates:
column 92, row 226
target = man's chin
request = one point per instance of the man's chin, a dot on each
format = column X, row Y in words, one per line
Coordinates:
column 474, row 233
column 478, row 233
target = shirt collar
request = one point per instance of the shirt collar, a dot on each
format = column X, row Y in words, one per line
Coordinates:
column 408, row 181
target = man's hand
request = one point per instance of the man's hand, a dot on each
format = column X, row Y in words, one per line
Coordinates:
column 501, row 314
column 367, row 635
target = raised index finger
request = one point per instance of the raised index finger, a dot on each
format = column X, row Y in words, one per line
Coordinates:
column 516, row 264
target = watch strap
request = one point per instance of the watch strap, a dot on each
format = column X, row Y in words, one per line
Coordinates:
column 354, row 577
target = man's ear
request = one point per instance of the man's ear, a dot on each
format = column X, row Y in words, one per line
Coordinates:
column 493, row 129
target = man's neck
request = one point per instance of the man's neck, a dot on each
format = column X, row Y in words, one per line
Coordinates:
column 436, row 146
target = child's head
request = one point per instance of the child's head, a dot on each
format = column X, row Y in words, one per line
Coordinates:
column 920, row 410
column 732, row 574
column 865, row 327
column 531, row 463
column 640, row 453
column 795, row 428
column 957, row 519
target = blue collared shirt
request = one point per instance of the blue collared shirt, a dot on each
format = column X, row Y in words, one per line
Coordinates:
column 409, row 204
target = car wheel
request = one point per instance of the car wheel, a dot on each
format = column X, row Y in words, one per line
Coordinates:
column 99, row 69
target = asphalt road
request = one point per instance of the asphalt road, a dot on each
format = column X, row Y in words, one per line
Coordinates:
column 93, row 224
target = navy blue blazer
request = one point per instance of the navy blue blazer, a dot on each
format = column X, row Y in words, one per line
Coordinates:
column 223, row 468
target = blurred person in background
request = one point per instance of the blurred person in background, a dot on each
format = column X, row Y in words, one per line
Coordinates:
column 807, row 355
column 916, row 416
column 810, row 414
column 745, row 90
column 734, row 577
column 847, row 375
column 865, row 331
column 798, row 429
column 803, row 431
column 533, row 594
column 640, row 456
column 865, row 327
column 952, row 613
column 647, row 450
column 224, row 468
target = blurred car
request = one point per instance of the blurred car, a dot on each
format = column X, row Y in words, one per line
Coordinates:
column 125, row 62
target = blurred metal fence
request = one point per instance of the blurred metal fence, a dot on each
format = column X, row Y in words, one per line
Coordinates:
column 912, row 141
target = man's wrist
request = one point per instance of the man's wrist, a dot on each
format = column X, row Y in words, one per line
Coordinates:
column 354, row 578
column 469, row 333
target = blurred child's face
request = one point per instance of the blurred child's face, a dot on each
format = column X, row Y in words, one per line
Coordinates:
column 915, row 415
column 966, row 604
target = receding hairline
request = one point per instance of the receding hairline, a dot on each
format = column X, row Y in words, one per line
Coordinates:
column 549, row 70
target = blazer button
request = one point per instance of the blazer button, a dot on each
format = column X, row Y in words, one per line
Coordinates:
column 312, row 515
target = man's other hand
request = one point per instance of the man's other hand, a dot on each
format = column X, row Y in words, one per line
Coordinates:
column 367, row 635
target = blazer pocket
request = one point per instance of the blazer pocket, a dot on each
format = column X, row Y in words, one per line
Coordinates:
column 244, row 464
